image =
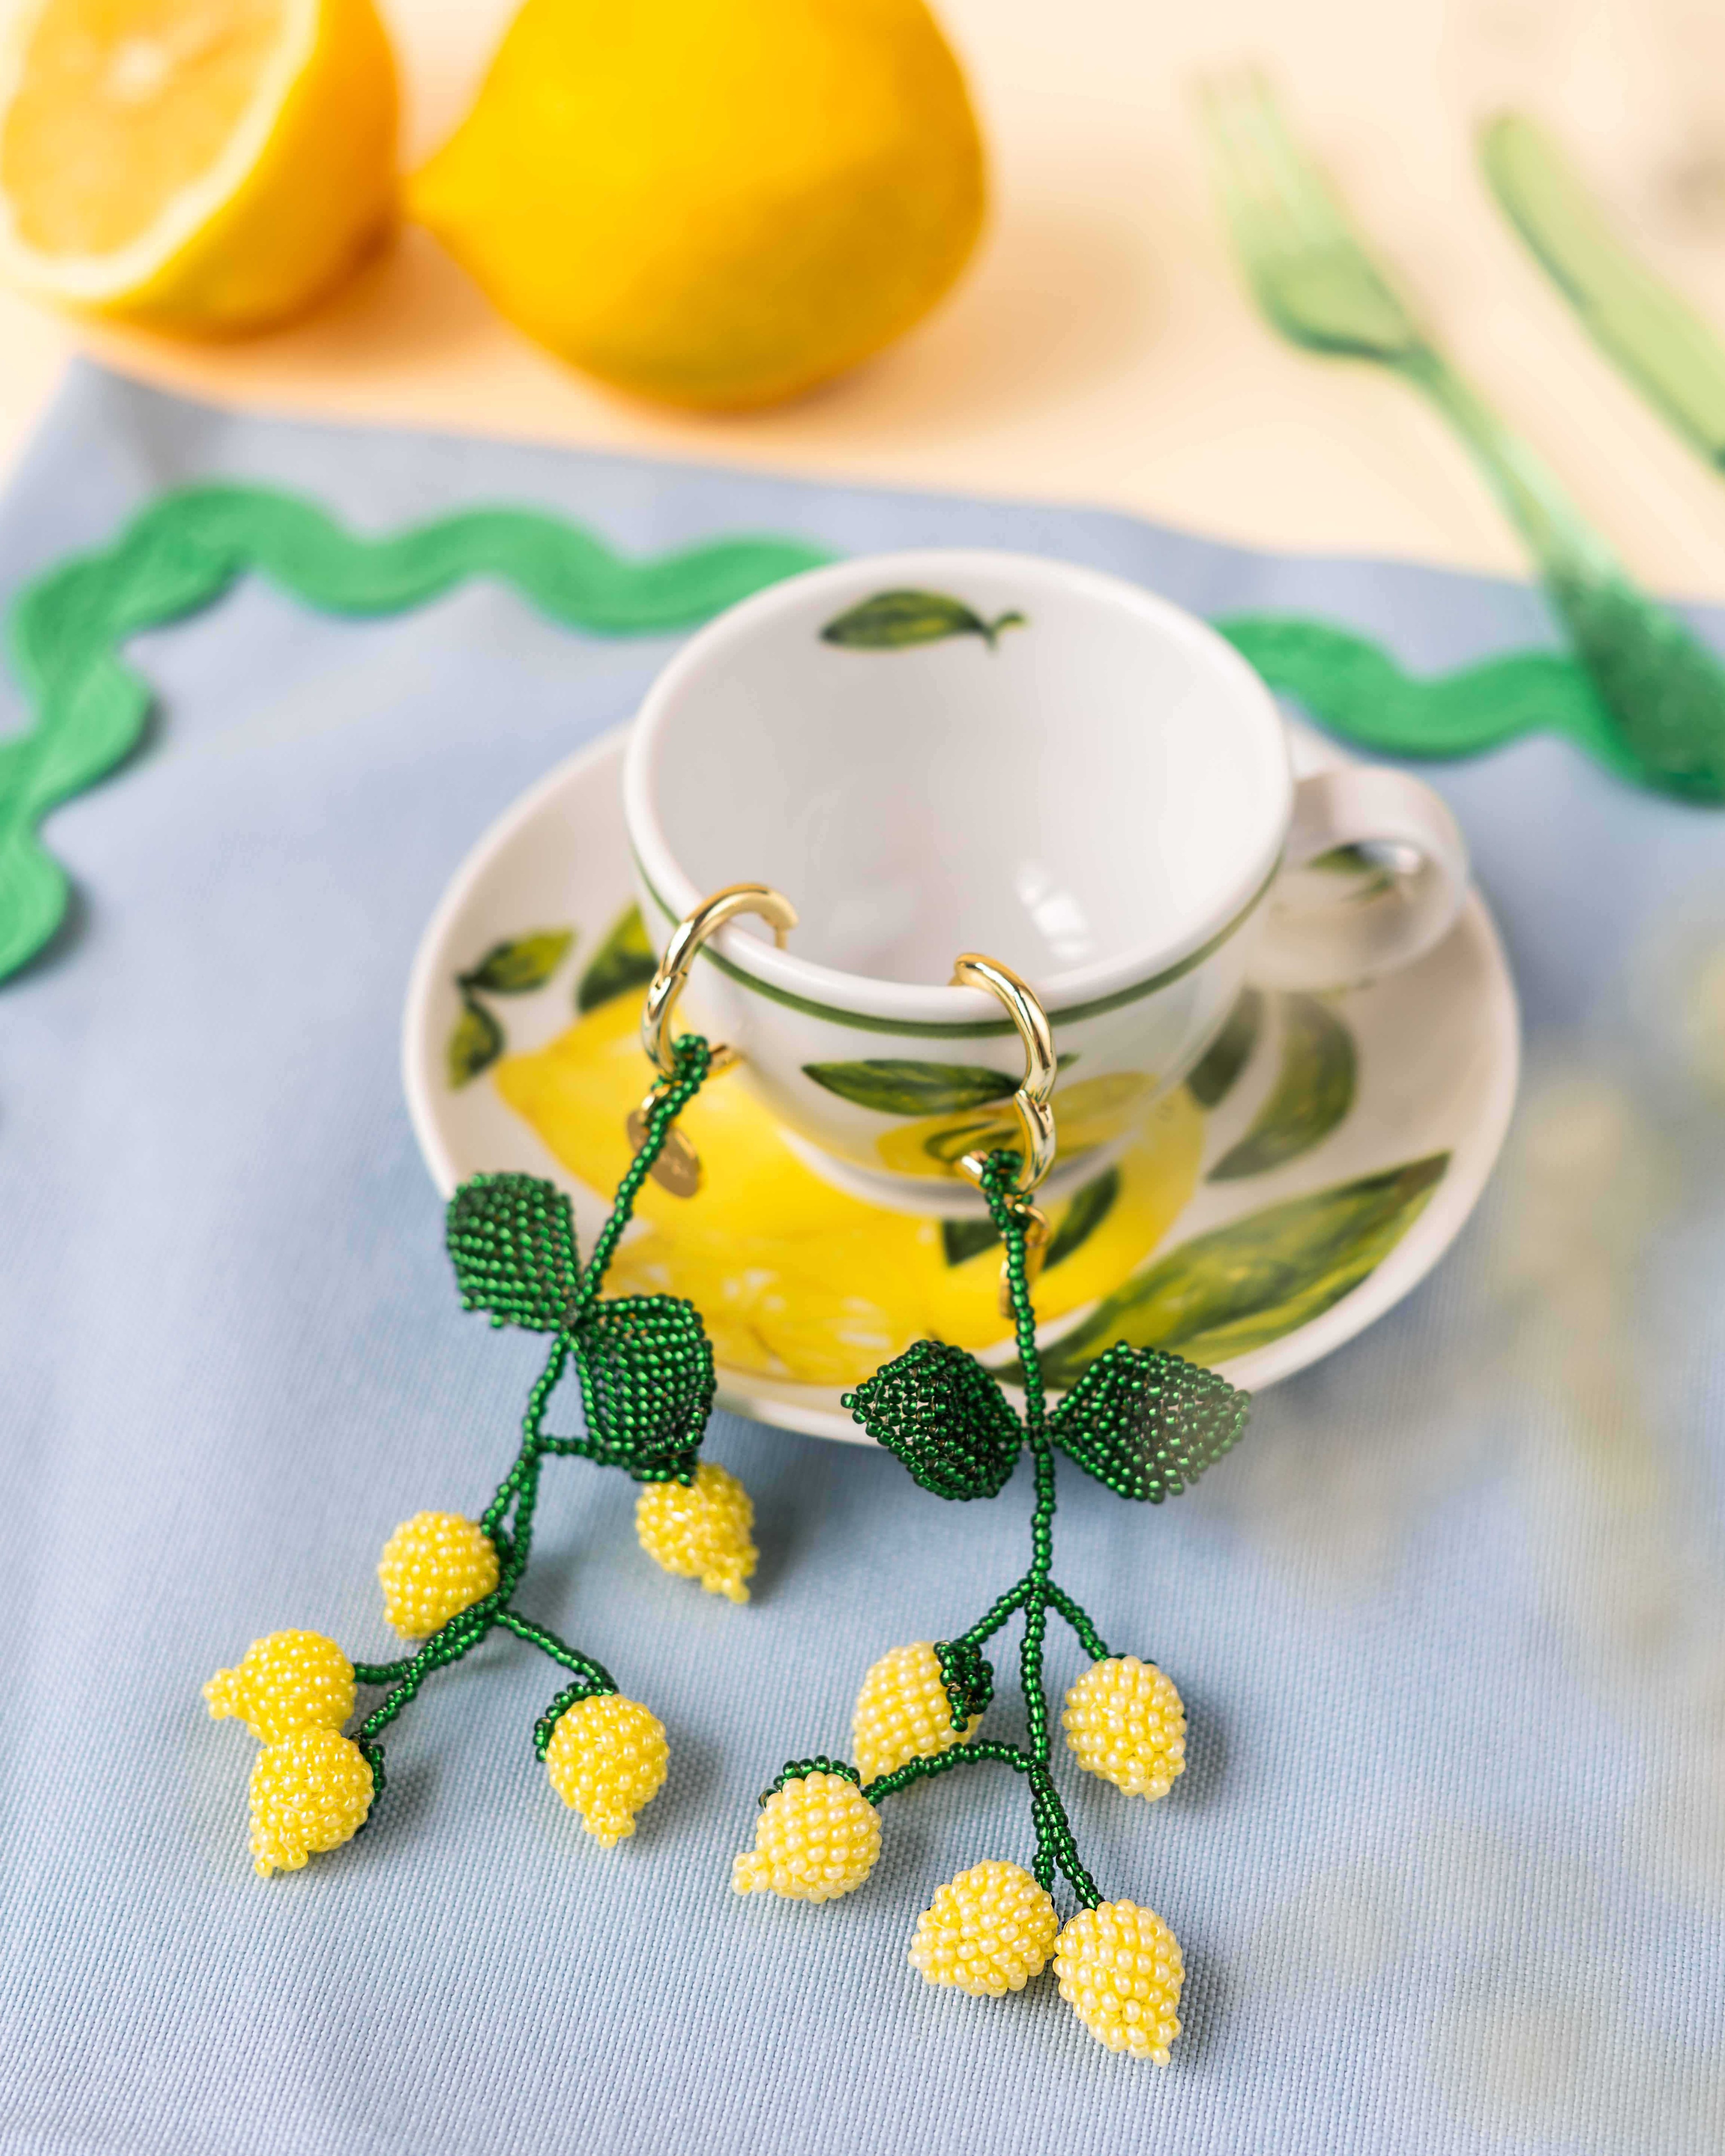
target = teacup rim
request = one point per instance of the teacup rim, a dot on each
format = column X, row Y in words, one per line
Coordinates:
column 873, row 1004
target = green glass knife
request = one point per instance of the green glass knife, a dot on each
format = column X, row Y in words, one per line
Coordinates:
column 1649, row 331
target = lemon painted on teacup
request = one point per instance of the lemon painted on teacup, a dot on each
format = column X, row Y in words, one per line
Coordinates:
column 794, row 1279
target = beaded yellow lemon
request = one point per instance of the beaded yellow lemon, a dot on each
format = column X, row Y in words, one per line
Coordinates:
column 817, row 1838
column 287, row 1682
column 310, row 1792
column 989, row 1930
column 700, row 1531
column 606, row 1757
column 902, row 1711
column 1120, row 1972
column 1124, row 1722
column 433, row 1566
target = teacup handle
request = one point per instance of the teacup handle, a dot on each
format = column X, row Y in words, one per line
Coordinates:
column 1374, row 875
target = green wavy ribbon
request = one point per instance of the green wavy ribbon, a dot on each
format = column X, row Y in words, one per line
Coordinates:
column 66, row 630
column 1353, row 686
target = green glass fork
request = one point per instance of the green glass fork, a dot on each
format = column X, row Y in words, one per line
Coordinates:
column 1662, row 688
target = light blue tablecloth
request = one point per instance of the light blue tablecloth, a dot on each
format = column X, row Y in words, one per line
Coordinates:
column 1449, row 1864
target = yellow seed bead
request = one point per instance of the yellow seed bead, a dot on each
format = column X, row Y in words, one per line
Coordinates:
column 817, row 1838
column 902, row 1711
column 605, row 1758
column 1124, row 1722
column 989, row 1930
column 1120, row 1972
column 434, row 1566
column 287, row 1682
column 701, row 1532
column 310, row 1792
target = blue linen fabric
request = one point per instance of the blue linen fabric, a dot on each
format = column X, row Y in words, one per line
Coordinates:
column 1448, row 1864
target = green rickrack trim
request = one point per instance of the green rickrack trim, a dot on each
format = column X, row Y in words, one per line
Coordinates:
column 1354, row 688
column 65, row 631
column 794, row 1770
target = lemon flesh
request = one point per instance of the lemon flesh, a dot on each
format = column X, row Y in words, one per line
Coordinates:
column 714, row 202
column 199, row 166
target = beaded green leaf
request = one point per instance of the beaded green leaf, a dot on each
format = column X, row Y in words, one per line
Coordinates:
column 1148, row 1423
column 944, row 1417
column 512, row 1241
column 646, row 1368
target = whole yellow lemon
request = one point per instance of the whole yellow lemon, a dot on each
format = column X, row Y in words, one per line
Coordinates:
column 714, row 202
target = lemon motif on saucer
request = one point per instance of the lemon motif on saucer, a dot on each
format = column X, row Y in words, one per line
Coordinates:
column 796, row 1280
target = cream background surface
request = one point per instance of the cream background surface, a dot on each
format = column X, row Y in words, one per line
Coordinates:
column 1100, row 349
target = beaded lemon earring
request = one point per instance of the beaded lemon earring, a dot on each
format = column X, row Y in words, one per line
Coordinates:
column 645, row 1371
column 1145, row 1423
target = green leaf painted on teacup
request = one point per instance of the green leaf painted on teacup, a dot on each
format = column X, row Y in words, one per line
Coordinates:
column 1314, row 1090
column 475, row 1043
column 1257, row 1278
column 1089, row 1208
column 623, row 962
column 1091, row 1113
column 891, row 621
column 522, row 964
column 899, row 1086
column 1086, row 1210
column 1211, row 1078
column 962, row 1241
column 1370, row 876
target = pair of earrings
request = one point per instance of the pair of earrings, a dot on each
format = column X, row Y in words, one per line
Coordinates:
column 1144, row 1422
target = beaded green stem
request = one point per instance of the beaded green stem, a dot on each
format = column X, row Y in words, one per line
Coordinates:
column 508, row 1519
column 1036, row 1594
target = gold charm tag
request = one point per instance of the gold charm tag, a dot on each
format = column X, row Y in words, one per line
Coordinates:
column 678, row 1167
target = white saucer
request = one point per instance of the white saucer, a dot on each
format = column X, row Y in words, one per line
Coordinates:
column 1437, row 1052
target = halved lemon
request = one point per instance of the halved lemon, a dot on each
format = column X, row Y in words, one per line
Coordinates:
column 199, row 166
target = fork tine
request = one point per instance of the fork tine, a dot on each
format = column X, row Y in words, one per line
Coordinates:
column 1252, row 203
column 1311, row 202
column 1303, row 229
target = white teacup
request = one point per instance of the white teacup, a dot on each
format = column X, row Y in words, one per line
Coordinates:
column 935, row 752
